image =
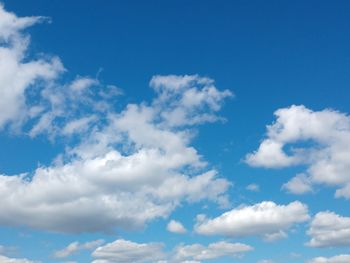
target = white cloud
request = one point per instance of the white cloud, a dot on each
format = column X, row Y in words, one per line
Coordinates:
column 4, row 259
column 76, row 246
column 335, row 259
column 125, row 168
column 126, row 251
column 123, row 251
column 265, row 219
column 176, row 227
column 300, row 184
column 266, row 261
column 253, row 187
column 187, row 100
column 212, row 251
column 322, row 137
column 17, row 73
column 328, row 229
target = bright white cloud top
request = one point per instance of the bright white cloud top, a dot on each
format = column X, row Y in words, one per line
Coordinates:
column 265, row 219
column 327, row 157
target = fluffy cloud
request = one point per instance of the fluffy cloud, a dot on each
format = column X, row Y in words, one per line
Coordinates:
column 265, row 219
column 187, row 100
column 17, row 73
column 126, row 251
column 176, row 227
column 300, row 184
column 328, row 229
column 212, row 251
column 123, row 251
column 76, row 246
column 124, row 168
column 323, row 138
column 4, row 259
column 335, row 259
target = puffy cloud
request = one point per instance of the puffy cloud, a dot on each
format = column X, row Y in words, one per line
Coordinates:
column 335, row 259
column 126, row 251
column 125, row 168
column 17, row 73
column 187, row 100
column 299, row 184
column 328, row 229
column 322, row 139
column 212, row 251
column 265, row 219
column 176, row 227
column 4, row 259
column 76, row 246
column 123, row 251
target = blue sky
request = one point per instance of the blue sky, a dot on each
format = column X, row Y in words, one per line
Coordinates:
column 174, row 131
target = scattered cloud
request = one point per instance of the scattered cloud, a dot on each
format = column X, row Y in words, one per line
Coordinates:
column 321, row 140
column 335, row 259
column 76, row 246
column 265, row 219
column 328, row 229
column 4, row 259
column 300, row 184
column 176, row 227
column 216, row 250
column 253, row 187
column 123, row 164
column 126, row 251
column 123, row 251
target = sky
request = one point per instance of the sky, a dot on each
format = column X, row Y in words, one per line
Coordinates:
column 174, row 131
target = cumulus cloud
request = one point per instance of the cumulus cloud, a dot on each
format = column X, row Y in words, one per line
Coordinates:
column 125, row 167
column 335, row 259
column 199, row 252
column 300, row 184
column 188, row 99
column 4, row 259
column 320, row 140
column 76, row 246
column 265, row 219
column 17, row 73
column 126, row 251
column 176, row 227
column 123, row 251
column 328, row 229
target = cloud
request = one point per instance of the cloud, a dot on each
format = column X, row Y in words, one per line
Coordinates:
column 4, row 259
column 176, row 227
column 120, row 169
column 265, row 219
column 335, row 259
column 253, row 187
column 188, row 99
column 123, row 251
column 212, row 251
column 17, row 73
column 328, row 229
column 321, row 140
column 126, row 251
column 76, row 246
column 300, row 184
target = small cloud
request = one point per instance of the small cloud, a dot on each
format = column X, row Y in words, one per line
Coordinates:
column 176, row 227
column 253, row 187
